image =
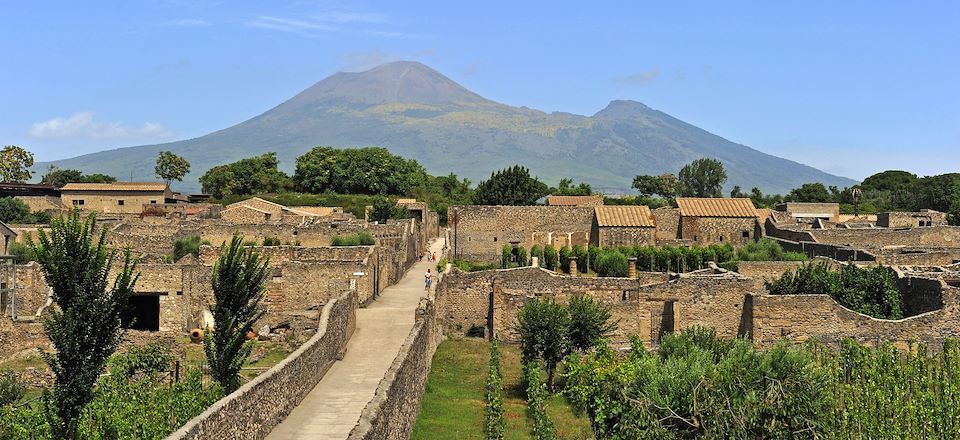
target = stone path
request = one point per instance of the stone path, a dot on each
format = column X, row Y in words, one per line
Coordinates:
column 333, row 407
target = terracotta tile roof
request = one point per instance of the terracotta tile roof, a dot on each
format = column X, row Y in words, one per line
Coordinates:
column 575, row 200
column 116, row 186
column 764, row 213
column 716, row 207
column 406, row 201
column 638, row 216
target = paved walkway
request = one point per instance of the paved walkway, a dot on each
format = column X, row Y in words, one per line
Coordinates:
column 333, row 407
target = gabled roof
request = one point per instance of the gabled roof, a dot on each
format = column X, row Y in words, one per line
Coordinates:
column 637, row 216
column 5, row 230
column 116, row 186
column 716, row 207
column 574, row 200
column 246, row 202
column 238, row 207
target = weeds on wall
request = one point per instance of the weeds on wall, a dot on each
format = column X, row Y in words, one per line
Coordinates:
column 358, row 239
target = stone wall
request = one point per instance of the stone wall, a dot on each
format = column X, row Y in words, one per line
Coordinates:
column 911, row 219
column 761, row 271
column 118, row 202
column 876, row 238
column 479, row 232
column 668, row 223
column 709, row 230
column 624, row 236
column 393, row 410
column 253, row 410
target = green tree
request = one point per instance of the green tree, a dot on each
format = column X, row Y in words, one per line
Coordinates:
column 370, row 170
column 59, row 177
column 510, row 186
column 384, row 208
column 239, row 283
column 567, row 188
column 13, row 210
column 171, row 167
column 936, row 192
column 891, row 180
column 15, row 163
column 543, row 327
column 550, row 257
column 590, row 322
column 664, row 185
column 254, row 175
column 702, row 178
column 85, row 326
column 810, row 192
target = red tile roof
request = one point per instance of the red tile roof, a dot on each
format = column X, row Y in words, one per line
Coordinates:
column 716, row 207
column 116, row 186
column 624, row 216
column 575, row 200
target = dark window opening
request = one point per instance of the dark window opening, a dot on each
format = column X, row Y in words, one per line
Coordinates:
column 494, row 239
column 721, row 238
column 152, row 202
column 143, row 313
column 119, row 202
column 746, row 234
column 78, row 202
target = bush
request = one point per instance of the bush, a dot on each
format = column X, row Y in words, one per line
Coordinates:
column 13, row 210
column 565, row 259
column 495, row 423
column 187, row 245
column 522, row 259
column 550, row 257
column 611, row 263
column 537, row 251
column 358, row 239
column 766, row 249
column 583, row 258
column 589, row 323
column 150, row 359
column 23, row 252
column 871, row 291
column 506, row 254
column 11, row 389
column 271, row 241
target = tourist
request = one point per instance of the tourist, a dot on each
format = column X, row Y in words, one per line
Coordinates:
column 428, row 278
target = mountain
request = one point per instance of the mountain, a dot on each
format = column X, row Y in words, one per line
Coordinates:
column 418, row 113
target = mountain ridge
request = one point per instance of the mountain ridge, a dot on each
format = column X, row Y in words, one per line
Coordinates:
column 419, row 113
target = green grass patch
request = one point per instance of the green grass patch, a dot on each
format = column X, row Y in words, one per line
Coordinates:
column 453, row 403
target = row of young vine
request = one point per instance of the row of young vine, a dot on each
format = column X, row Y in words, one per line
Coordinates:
column 495, row 423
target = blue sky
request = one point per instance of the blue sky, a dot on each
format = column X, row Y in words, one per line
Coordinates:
column 849, row 87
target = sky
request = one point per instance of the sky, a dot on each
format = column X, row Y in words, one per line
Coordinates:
column 851, row 87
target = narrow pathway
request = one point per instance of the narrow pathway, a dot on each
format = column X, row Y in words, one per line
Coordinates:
column 333, row 407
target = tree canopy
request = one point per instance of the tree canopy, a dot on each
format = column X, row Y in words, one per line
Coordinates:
column 171, row 167
column 510, row 186
column 371, row 170
column 664, row 185
column 702, row 178
column 59, row 177
column 15, row 163
column 254, row 175
column 567, row 188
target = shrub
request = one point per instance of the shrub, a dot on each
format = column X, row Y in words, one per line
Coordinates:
column 871, row 291
column 612, row 263
column 550, row 257
column 13, row 210
column 23, row 252
column 506, row 253
column 543, row 326
column 565, row 259
column 11, row 389
column 522, row 257
column 583, row 258
column 495, row 423
column 150, row 359
column 537, row 251
column 358, row 239
column 271, row 241
column 187, row 245
column 766, row 249
column 589, row 322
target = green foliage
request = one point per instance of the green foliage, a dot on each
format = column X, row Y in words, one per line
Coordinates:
column 495, row 423
column 171, row 167
column 85, row 328
column 565, row 254
column 611, row 264
column 255, row 175
column 15, row 163
column 664, row 185
column 272, row 241
column 13, row 210
column 11, row 389
column 510, row 186
column 652, row 202
column 522, row 259
column 440, row 192
column 358, row 239
column 466, row 266
column 810, row 192
column 370, row 170
column 583, row 258
column 355, row 204
column 698, row 386
column 23, row 252
column 702, row 178
column 239, row 284
column 384, row 209
column 506, row 254
column 537, row 251
column 550, row 257
column 59, row 177
column 187, row 245
column 871, row 291
column 543, row 327
column 149, row 359
column 566, row 188
column 543, row 427
column 590, row 322
column 766, row 249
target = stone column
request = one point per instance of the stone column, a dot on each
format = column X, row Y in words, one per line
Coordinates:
column 573, row 266
column 632, row 267
column 535, row 261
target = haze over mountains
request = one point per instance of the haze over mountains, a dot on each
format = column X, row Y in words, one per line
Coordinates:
column 416, row 112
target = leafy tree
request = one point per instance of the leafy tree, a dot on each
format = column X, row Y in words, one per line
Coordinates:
column 664, row 185
column 510, row 186
column 702, row 178
column 891, row 180
column 59, row 177
column 85, row 326
column 566, row 188
column 384, row 208
column 543, row 326
column 370, row 170
column 171, row 167
column 255, row 175
column 239, row 283
column 940, row 192
column 15, row 163
column 737, row 193
column 590, row 322
column 810, row 192
column 13, row 210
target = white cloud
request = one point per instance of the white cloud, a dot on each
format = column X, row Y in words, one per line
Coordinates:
column 299, row 26
column 350, row 17
column 641, row 78
column 83, row 125
column 314, row 24
column 188, row 22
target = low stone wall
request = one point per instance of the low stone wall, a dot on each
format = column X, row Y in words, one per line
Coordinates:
column 394, row 408
column 252, row 411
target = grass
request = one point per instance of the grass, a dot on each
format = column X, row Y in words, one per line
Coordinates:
column 453, row 404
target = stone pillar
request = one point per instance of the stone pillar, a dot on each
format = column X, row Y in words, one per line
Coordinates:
column 632, row 267
column 573, row 266
column 535, row 261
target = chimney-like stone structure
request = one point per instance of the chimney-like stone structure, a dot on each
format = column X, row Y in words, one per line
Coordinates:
column 632, row 267
column 573, row 266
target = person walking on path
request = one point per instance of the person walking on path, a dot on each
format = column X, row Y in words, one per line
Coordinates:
column 427, row 279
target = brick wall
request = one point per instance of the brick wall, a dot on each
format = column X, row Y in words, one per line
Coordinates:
column 479, row 232
column 253, row 410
